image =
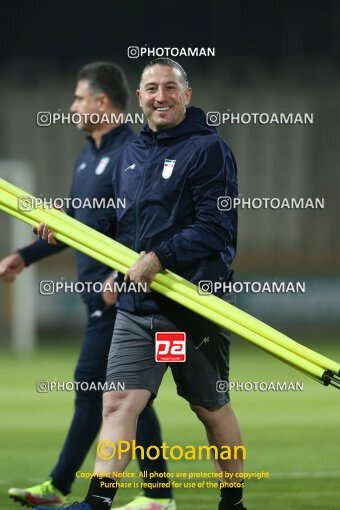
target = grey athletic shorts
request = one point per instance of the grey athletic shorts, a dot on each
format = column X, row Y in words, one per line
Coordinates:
column 132, row 357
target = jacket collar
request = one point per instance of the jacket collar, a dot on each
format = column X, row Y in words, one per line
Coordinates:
column 110, row 137
column 194, row 122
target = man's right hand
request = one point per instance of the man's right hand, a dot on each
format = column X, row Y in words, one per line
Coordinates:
column 11, row 266
column 45, row 233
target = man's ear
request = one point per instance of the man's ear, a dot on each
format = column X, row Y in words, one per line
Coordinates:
column 188, row 93
column 103, row 101
column 138, row 96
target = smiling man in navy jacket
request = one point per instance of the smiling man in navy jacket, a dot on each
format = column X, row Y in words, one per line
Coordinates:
column 101, row 90
column 171, row 176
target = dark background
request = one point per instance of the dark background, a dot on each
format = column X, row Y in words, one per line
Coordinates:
column 63, row 34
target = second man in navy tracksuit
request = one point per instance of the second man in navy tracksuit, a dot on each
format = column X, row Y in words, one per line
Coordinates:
column 101, row 89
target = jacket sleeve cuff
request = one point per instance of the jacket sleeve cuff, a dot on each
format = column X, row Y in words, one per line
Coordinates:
column 164, row 256
column 24, row 253
column 39, row 250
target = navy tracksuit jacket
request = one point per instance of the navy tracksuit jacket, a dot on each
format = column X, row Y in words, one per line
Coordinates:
column 92, row 178
column 171, row 181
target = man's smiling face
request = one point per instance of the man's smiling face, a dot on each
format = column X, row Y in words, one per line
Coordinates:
column 163, row 96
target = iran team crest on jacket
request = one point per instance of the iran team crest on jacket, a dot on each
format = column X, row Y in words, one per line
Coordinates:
column 168, row 168
column 102, row 165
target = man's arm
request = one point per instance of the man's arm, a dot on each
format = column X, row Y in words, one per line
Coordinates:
column 212, row 230
column 215, row 175
column 12, row 265
column 106, row 224
column 144, row 269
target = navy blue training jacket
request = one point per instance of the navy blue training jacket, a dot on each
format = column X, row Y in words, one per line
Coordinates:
column 92, row 178
column 171, row 181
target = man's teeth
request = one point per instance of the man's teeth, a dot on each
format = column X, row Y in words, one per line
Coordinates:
column 163, row 108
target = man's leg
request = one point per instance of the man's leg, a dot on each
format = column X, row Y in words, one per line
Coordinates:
column 87, row 419
column 132, row 363
column 222, row 429
column 198, row 381
column 87, row 416
column 149, row 434
column 86, row 426
column 121, row 410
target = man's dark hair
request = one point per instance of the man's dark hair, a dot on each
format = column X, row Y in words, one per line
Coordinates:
column 109, row 79
column 171, row 63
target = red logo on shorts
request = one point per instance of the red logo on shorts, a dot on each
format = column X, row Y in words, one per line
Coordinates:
column 170, row 346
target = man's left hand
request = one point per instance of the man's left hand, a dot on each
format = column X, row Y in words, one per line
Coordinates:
column 109, row 294
column 145, row 269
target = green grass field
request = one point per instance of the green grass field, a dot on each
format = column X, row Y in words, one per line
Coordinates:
column 292, row 435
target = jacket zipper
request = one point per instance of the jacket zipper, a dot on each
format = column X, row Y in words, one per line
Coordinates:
column 138, row 195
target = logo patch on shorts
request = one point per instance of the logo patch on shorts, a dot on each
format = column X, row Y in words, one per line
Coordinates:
column 170, row 346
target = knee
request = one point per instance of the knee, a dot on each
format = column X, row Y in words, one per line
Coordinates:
column 201, row 413
column 206, row 416
column 117, row 402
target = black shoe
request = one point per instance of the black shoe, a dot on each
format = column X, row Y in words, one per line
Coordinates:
column 238, row 507
column 235, row 507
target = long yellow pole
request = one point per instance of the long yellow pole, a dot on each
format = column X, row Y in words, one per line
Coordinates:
column 175, row 282
column 8, row 204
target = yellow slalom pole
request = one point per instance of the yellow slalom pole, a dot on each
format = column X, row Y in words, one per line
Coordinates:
column 21, row 196
column 290, row 358
column 59, row 224
column 231, row 312
column 180, row 285
column 66, row 240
